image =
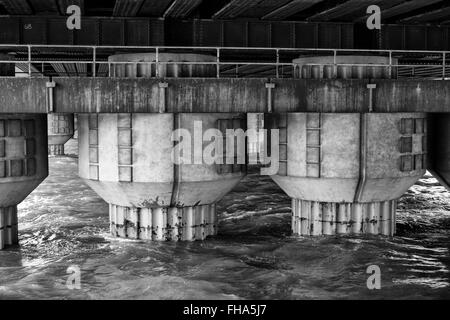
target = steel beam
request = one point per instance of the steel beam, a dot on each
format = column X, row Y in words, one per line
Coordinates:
column 181, row 8
column 127, row 8
column 406, row 7
column 234, row 8
column 64, row 4
column 45, row 6
column 350, row 10
column 152, row 8
column 264, row 7
column 290, row 9
column 129, row 31
column 435, row 15
column 17, row 6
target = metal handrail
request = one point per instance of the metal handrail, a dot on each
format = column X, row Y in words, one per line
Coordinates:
column 277, row 64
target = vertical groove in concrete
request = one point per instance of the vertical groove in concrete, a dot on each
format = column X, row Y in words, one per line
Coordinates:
column 60, row 130
column 56, row 149
column 163, row 223
column 9, row 234
column 125, row 147
column 312, row 218
column 176, row 167
column 93, row 147
column 362, row 157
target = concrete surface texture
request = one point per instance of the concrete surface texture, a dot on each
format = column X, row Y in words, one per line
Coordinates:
column 210, row 94
column 23, row 166
column 317, row 218
column 342, row 170
column 345, row 67
column 60, row 130
column 127, row 159
column 162, row 223
column 352, row 158
column 175, row 65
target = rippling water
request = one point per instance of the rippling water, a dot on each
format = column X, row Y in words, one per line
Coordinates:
column 64, row 223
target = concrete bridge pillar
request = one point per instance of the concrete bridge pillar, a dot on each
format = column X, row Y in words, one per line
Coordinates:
column 344, row 172
column 60, row 130
column 127, row 159
column 23, row 166
column 23, row 162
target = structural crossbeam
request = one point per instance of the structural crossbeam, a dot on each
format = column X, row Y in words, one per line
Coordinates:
column 203, row 95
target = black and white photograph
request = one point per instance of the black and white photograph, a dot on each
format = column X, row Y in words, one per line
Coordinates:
column 224, row 155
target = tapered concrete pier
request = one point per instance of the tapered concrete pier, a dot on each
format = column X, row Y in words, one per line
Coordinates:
column 23, row 162
column 345, row 172
column 23, row 166
column 128, row 159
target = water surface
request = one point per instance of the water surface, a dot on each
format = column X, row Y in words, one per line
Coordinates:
column 64, row 223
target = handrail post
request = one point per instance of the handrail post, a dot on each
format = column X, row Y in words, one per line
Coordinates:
column 390, row 64
column 94, row 61
column 335, row 68
column 29, row 61
column 278, row 62
column 444, row 62
column 218, row 62
column 157, row 62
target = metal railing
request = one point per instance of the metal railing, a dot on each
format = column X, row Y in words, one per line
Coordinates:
column 230, row 62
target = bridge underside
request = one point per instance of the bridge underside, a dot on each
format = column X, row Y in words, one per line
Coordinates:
column 407, row 24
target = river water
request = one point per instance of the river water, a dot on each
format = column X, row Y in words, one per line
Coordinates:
column 63, row 223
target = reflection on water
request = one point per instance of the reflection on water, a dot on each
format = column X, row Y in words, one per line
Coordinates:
column 64, row 223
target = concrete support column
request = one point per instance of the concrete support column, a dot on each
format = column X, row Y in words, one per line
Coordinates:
column 60, row 130
column 319, row 218
column 345, row 172
column 9, row 234
column 163, row 223
column 23, row 166
column 23, row 162
column 127, row 160
column 130, row 160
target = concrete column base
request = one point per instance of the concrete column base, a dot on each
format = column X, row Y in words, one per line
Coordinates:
column 311, row 218
column 163, row 223
column 56, row 149
column 9, row 233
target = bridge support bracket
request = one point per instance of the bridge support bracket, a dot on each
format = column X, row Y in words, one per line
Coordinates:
column 269, row 87
column 371, row 87
column 162, row 96
column 50, row 85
